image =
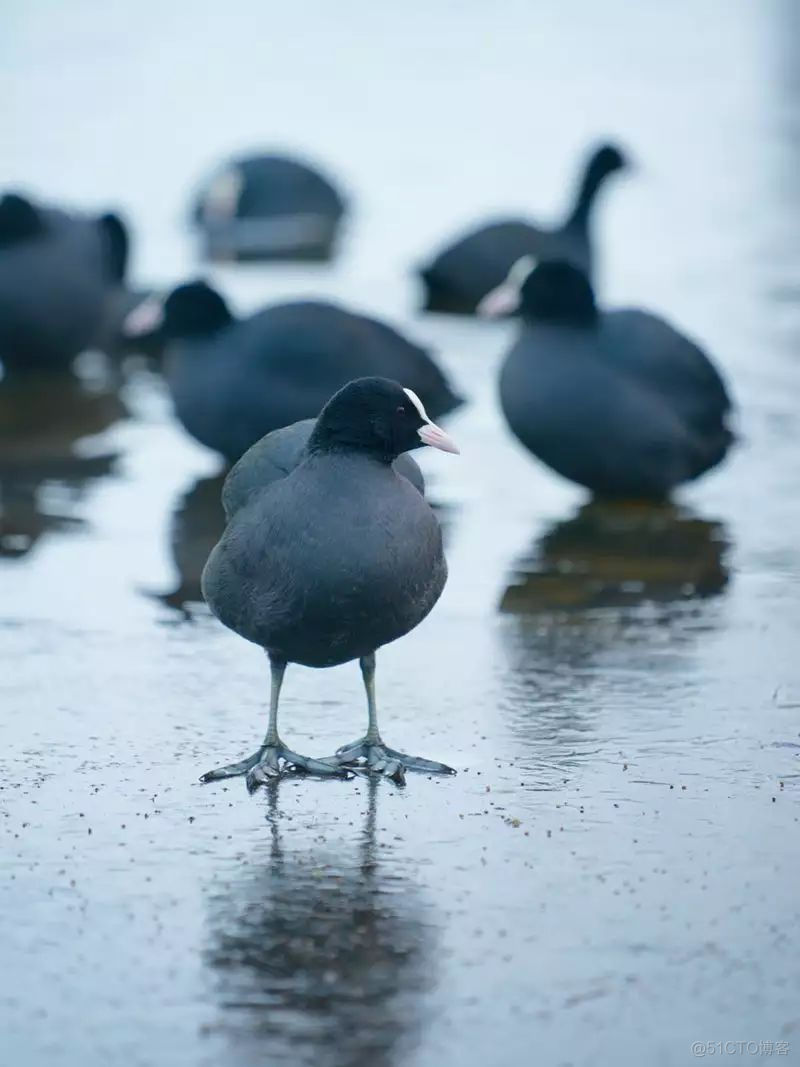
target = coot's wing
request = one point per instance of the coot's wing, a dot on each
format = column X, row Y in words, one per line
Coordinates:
column 275, row 455
column 660, row 358
column 394, row 356
column 409, row 468
column 274, row 185
column 268, row 185
column 268, row 460
column 290, row 359
column 309, row 349
column 306, row 342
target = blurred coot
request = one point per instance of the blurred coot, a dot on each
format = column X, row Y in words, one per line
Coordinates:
column 61, row 277
column 234, row 380
column 264, row 207
column 469, row 267
column 617, row 401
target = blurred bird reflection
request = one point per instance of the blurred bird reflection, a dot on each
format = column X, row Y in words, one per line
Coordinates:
column 616, row 555
column 321, row 957
column 601, row 600
column 43, row 472
column 197, row 525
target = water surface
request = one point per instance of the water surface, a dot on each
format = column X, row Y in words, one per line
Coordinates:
column 613, row 873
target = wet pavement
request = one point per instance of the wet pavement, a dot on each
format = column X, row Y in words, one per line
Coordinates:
column 612, row 876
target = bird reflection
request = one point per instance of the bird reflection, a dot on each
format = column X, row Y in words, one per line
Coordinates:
column 197, row 524
column 603, row 602
column 613, row 555
column 320, row 957
column 41, row 421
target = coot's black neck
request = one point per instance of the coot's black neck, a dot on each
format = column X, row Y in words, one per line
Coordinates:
column 341, row 440
column 195, row 312
column 575, row 318
column 19, row 221
column 559, row 294
column 593, row 178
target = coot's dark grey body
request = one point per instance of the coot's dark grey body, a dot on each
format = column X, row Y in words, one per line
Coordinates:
column 468, row 268
column 620, row 402
column 234, row 383
column 58, row 274
column 330, row 560
column 268, row 207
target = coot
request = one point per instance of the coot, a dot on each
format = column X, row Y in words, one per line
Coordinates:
column 468, row 268
column 268, row 207
column 59, row 275
column 234, row 380
column 616, row 401
column 324, row 565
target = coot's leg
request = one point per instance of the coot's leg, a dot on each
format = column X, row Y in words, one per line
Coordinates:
column 369, row 753
column 273, row 757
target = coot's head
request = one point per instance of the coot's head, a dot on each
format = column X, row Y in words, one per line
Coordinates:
column 606, row 159
column 379, row 417
column 193, row 310
column 19, row 220
column 554, row 291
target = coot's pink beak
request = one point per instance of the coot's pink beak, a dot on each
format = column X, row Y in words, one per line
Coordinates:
column 145, row 317
column 429, row 432
column 502, row 300
column 433, row 435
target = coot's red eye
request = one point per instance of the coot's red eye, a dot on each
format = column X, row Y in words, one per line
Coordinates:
column 401, row 411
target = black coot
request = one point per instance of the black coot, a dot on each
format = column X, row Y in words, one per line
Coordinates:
column 328, row 562
column 468, row 268
column 268, row 207
column 234, row 380
column 616, row 401
column 60, row 274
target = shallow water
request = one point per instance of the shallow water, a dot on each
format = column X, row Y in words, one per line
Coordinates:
column 613, row 873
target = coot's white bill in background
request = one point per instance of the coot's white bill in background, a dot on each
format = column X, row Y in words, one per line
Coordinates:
column 616, row 401
column 326, row 564
column 61, row 278
column 466, row 269
column 234, row 380
column 266, row 207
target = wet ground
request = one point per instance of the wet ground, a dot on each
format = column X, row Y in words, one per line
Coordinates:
column 613, row 874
